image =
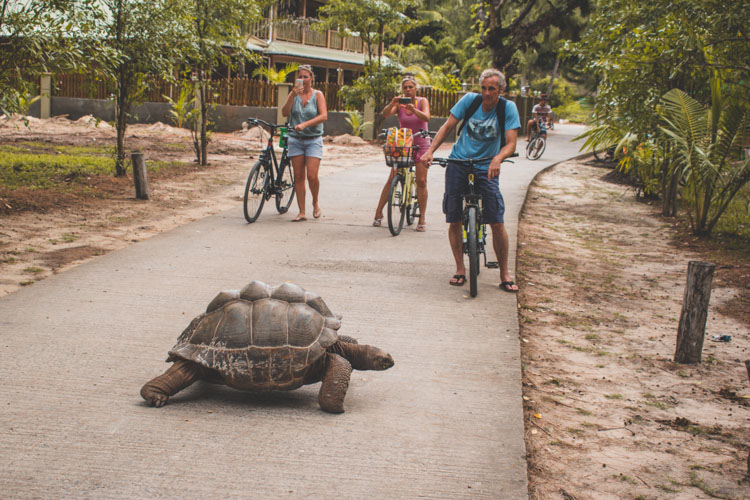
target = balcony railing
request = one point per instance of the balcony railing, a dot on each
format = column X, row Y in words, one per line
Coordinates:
column 303, row 31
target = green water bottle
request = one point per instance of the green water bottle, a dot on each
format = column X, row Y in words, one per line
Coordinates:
column 282, row 137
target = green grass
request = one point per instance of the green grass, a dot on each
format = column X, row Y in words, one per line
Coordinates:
column 44, row 171
column 35, row 165
column 734, row 224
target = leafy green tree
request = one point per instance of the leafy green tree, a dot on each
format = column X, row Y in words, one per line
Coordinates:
column 144, row 36
column 39, row 36
column 378, row 83
column 213, row 36
column 508, row 26
column 641, row 50
column 370, row 19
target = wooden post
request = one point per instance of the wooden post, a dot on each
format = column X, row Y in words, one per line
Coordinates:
column 369, row 133
column 139, row 176
column 282, row 92
column 692, row 326
column 45, row 87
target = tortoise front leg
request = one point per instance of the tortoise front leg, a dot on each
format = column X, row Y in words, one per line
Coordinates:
column 335, row 383
column 180, row 375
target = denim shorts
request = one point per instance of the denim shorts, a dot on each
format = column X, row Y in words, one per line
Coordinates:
column 312, row 146
column 457, row 184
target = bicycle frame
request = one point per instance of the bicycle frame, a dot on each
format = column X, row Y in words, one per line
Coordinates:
column 475, row 200
column 402, row 195
column 268, row 157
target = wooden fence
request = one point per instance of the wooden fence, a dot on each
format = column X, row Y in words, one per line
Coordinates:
column 441, row 101
column 235, row 92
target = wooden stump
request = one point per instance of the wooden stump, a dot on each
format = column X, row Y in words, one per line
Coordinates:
column 139, row 176
column 692, row 326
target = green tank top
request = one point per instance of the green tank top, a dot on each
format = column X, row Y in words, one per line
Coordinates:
column 302, row 114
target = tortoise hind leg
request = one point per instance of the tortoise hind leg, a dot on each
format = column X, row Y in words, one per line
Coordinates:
column 179, row 376
column 335, row 383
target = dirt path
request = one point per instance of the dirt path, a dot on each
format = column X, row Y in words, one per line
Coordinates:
column 608, row 415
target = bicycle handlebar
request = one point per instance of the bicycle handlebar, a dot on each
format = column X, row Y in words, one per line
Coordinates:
column 443, row 162
column 263, row 123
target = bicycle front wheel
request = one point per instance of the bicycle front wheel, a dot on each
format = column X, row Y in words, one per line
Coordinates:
column 285, row 186
column 472, row 243
column 255, row 191
column 396, row 205
column 536, row 148
column 412, row 206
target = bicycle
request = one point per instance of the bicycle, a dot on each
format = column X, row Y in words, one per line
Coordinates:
column 402, row 196
column 474, row 227
column 537, row 142
column 269, row 177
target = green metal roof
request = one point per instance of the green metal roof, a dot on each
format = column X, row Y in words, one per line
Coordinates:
column 310, row 52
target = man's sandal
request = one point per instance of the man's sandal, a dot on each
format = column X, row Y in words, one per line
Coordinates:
column 508, row 286
column 377, row 222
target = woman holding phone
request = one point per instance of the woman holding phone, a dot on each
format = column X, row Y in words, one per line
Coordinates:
column 306, row 109
column 413, row 113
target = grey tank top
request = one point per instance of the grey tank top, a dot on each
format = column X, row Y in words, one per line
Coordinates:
column 302, row 114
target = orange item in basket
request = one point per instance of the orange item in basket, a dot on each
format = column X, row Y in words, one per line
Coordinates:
column 399, row 138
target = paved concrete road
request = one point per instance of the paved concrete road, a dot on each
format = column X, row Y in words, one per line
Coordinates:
column 445, row 422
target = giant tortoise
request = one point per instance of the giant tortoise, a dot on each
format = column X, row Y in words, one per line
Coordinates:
column 266, row 338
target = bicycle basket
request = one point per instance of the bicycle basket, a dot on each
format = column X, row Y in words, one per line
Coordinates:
column 399, row 156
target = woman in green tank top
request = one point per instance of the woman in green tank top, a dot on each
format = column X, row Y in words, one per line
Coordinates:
column 306, row 110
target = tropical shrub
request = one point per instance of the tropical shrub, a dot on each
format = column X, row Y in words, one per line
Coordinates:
column 707, row 154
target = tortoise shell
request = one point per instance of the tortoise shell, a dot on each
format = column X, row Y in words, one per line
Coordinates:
column 260, row 337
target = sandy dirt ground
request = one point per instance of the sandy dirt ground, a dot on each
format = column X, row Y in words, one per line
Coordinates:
column 43, row 233
column 608, row 414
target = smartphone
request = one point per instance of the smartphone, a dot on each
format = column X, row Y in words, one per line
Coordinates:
column 404, row 100
column 298, row 83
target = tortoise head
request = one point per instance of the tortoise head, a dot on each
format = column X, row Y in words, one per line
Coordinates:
column 381, row 360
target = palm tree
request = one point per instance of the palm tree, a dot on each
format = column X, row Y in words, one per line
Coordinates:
column 274, row 76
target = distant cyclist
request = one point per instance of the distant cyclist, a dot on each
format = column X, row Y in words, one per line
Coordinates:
column 541, row 115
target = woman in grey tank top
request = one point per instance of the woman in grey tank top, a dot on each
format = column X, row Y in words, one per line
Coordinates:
column 306, row 110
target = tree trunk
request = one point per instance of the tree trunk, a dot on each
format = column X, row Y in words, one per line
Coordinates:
column 554, row 76
column 692, row 326
column 204, row 123
column 121, row 123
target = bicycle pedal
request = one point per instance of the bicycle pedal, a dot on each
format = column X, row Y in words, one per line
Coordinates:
column 491, row 264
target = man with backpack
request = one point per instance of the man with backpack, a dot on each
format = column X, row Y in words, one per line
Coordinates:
column 489, row 129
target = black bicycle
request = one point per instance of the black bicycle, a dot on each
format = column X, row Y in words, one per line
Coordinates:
column 537, row 142
column 474, row 227
column 269, row 177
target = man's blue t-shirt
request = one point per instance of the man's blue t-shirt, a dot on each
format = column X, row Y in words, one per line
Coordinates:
column 481, row 135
